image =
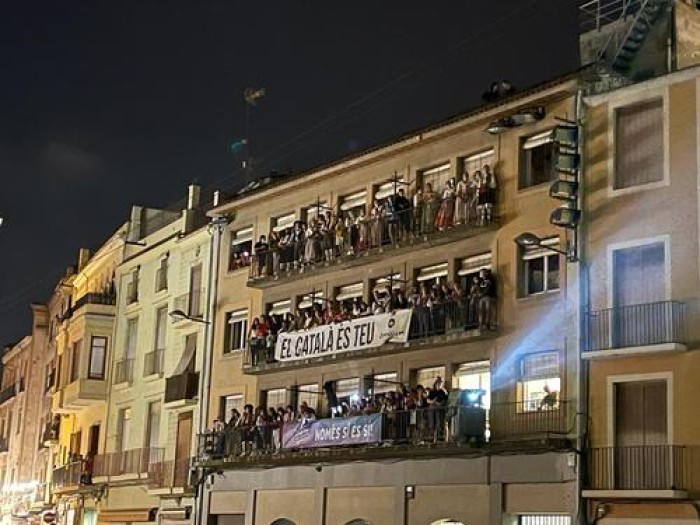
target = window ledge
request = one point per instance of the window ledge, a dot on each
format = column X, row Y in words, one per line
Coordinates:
column 538, row 188
column 232, row 354
column 153, row 377
column 540, row 296
column 612, row 192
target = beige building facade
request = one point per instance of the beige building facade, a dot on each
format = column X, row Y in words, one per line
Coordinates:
column 527, row 466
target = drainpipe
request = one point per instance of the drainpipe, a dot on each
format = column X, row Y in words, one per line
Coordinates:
column 215, row 229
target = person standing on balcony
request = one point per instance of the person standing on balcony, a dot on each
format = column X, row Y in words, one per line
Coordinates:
column 461, row 203
column 474, row 300
column 430, row 205
column 274, row 256
column 489, row 195
column 363, row 226
column 417, row 199
column 376, row 224
column 445, row 216
column 340, row 233
column 403, row 214
column 487, row 302
column 261, row 251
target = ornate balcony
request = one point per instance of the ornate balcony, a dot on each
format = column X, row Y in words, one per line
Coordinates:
column 118, row 466
column 637, row 329
column 428, row 432
column 70, row 477
column 82, row 393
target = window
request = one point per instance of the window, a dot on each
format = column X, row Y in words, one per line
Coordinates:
column 283, row 222
column 98, row 352
column 153, row 424
column 75, row 361
column 540, row 268
column 132, row 289
column 279, row 307
column 308, row 394
column 639, row 144
column 194, row 303
column 475, row 376
column 228, row 403
column 349, row 292
column 430, row 275
column 132, row 326
column 545, row 519
column 347, row 390
column 236, row 331
column 123, row 428
column 539, row 381
column 308, row 301
column 427, row 376
column 19, row 420
column 393, row 281
column 536, row 160
column 389, row 188
column 639, row 274
column 276, row 398
column 241, row 248
column 353, row 205
column 470, row 267
column 315, row 210
column 384, row 383
column 162, row 275
column 476, row 162
column 437, row 177
column 75, row 443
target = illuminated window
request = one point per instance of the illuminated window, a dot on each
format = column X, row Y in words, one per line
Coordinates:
column 540, row 382
column 276, row 398
column 426, row 377
column 536, row 160
column 241, row 248
column 308, row 394
column 437, row 177
column 545, row 519
column 475, row 376
column 236, row 330
column 98, row 351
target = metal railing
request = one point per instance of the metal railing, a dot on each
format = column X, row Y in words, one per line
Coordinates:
column 366, row 236
column 504, row 426
column 174, row 473
column 153, row 362
column 124, row 370
column 68, row 475
column 525, row 420
column 136, row 461
column 635, row 325
column 182, row 387
column 643, row 467
column 595, row 14
column 191, row 303
column 453, row 317
column 95, row 298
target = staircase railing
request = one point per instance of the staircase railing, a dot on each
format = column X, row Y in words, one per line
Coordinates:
column 595, row 14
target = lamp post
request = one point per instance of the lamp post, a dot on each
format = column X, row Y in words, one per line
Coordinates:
column 179, row 315
column 529, row 241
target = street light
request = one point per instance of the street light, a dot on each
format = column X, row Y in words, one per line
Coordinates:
column 179, row 315
column 529, row 240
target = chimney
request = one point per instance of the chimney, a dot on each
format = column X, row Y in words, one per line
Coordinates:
column 83, row 258
column 193, row 194
column 135, row 224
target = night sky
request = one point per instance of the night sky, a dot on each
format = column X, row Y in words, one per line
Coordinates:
column 108, row 104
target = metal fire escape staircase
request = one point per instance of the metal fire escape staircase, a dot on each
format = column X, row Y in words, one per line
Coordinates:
column 622, row 27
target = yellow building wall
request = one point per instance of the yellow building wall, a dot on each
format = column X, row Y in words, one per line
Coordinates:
column 374, row 504
column 295, row 505
column 466, row 503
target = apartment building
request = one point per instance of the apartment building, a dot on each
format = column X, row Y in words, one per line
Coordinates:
column 20, row 427
column 152, row 413
column 83, row 340
column 513, row 454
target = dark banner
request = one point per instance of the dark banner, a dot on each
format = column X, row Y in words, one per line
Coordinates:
column 333, row 432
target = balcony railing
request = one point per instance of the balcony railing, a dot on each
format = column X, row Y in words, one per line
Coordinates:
column 367, row 237
column 455, row 318
column 425, row 431
column 153, row 363
column 636, row 325
column 174, row 473
column 11, row 391
column 182, row 387
column 95, row 298
column 191, row 303
column 643, row 467
column 71, row 474
column 134, row 462
column 124, row 370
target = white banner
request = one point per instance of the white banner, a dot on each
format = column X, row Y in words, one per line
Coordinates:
column 357, row 334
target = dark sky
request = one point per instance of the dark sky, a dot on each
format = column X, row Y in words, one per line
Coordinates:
column 105, row 104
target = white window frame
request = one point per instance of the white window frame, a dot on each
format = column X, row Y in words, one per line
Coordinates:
column 386, row 189
column 233, row 317
column 435, row 271
column 280, row 307
column 350, row 291
column 430, row 172
column 276, row 392
column 284, row 221
column 635, row 243
column 480, row 369
column 627, row 378
column 440, row 369
column 311, row 399
column 470, row 162
column 237, row 401
column 381, row 387
column 523, row 382
column 526, row 255
column 531, row 142
column 633, row 98
column 353, row 200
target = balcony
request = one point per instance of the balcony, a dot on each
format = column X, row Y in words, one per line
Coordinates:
column 651, row 471
column 171, row 476
column 449, row 322
column 400, row 434
column 126, row 465
column 153, row 363
column 70, row 477
column 80, row 394
column 182, row 389
column 124, row 371
column 402, row 237
column 11, row 391
column 634, row 330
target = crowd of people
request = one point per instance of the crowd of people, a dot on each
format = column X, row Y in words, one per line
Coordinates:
column 437, row 307
column 326, row 236
column 410, row 414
